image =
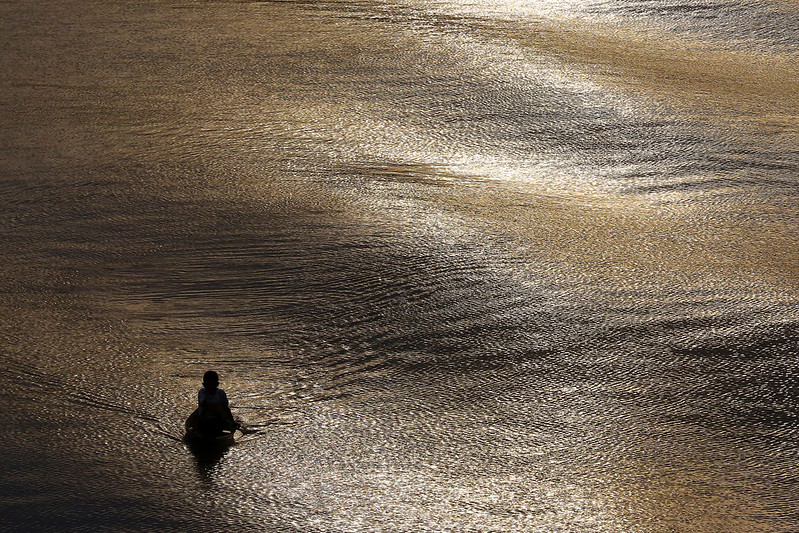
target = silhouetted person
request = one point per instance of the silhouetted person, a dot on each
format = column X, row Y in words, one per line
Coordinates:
column 213, row 408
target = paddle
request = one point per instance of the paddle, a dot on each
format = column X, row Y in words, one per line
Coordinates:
column 244, row 429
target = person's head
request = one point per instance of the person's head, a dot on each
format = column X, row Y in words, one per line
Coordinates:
column 210, row 380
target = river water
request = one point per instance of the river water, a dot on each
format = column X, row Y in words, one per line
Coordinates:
column 483, row 265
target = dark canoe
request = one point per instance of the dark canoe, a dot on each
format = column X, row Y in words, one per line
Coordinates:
column 197, row 438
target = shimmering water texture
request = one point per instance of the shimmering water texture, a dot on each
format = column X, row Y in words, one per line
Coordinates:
column 477, row 266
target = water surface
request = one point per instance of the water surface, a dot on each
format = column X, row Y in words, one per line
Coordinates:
column 462, row 266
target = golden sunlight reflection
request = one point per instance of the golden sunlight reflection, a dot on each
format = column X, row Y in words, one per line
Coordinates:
column 461, row 266
column 381, row 476
column 508, row 9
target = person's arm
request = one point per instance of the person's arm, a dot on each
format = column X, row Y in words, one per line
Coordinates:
column 226, row 410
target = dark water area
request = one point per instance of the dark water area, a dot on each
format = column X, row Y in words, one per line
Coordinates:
column 479, row 266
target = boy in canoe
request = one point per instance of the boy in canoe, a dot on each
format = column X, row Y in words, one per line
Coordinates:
column 213, row 408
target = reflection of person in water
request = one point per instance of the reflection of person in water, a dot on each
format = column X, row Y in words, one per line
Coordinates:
column 214, row 410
